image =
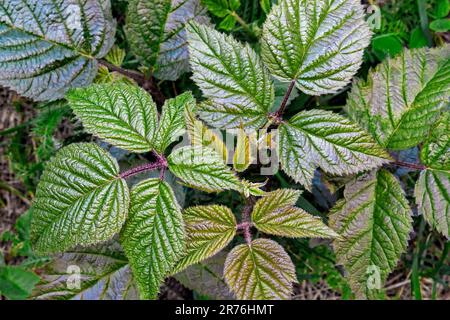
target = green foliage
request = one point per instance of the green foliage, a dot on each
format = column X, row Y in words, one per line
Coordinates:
column 128, row 234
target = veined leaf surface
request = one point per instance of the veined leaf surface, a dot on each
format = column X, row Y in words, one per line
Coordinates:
column 50, row 46
column 80, row 200
column 319, row 44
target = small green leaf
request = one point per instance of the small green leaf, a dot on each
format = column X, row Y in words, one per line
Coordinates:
column 418, row 38
column 435, row 152
column 228, row 23
column 387, row 45
column 265, row 5
column 209, row 229
column 260, row 271
column 201, row 135
column 80, row 200
column 398, row 105
column 219, row 8
column 318, row 138
column 232, row 77
column 116, row 56
column 153, row 237
column 172, row 124
column 203, row 168
column 16, row 283
column 441, row 25
column 123, row 115
column 374, row 221
column 242, row 158
column 442, row 9
column 318, row 43
column 275, row 214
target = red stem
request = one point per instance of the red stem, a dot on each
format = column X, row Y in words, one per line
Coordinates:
column 160, row 163
column 246, row 224
column 409, row 165
column 283, row 104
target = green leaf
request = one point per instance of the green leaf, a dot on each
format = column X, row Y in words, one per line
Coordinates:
column 433, row 186
column 157, row 36
column 318, row 43
column 16, row 283
column 275, row 214
column 80, row 200
column 318, row 138
column 209, row 229
column 48, row 47
column 433, row 199
column 260, row 271
column 232, row 77
column 242, row 158
column 374, row 220
column 440, row 25
column 201, row 135
column 387, row 45
column 228, row 23
column 442, row 8
column 219, row 8
column 153, row 237
column 202, row 168
column 418, row 38
column 403, row 97
column 172, row 123
column 103, row 272
column 265, row 5
column 123, row 115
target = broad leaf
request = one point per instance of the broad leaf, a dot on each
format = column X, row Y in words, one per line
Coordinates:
column 153, row 237
column 245, row 149
column 403, row 97
column 172, row 123
column 157, row 35
column 232, row 77
column 209, row 229
column 374, row 220
column 201, row 135
column 103, row 270
column 202, row 168
column 16, row 283
column 80, row 200
column 275, row 214
column 206, row 278
column 433, row 186
column 319, row 44
column 123, row 115
column 318, row 138
column 260, row 271
column 49, row 46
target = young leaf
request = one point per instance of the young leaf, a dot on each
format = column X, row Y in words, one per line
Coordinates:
column 209, row 229
column 153, row 237
column 16, row 283
column 123, row 115
column 403, row 97
column 80, row 200
column 202, row 168
column 157, row 35
column 260, row 271
column 275, row 214
column 172, row 123
column 374, row 220
column 319, row 44
column 318, row 138
column 42, row 55
column 201, row 135
column 104, row 275
column 433, row 186
column 232, row 76
column 242, row 158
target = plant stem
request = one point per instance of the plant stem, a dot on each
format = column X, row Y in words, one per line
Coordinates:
column 422, row 7
column 409, row 165
column 243, row 24
column 160, row 163
column 415, row 277
column 246, row 224
column 278, row 114
column 147, row 83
